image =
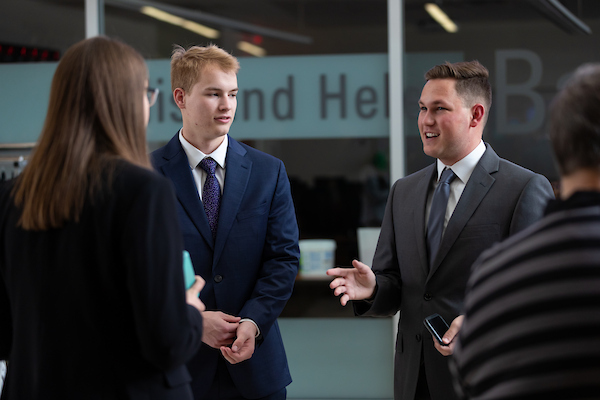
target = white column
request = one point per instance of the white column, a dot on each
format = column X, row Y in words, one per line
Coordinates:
column 396, row 93
column 94, row 18
column 396, row 87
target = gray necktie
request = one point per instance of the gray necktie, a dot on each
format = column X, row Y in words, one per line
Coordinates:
column 211, row 193
column 435, row 227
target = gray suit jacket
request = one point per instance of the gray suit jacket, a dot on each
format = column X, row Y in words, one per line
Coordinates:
column 499, row 199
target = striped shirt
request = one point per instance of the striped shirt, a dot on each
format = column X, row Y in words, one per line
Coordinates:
column 532, row 311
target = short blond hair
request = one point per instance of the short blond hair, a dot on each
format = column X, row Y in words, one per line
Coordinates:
column 187, row 65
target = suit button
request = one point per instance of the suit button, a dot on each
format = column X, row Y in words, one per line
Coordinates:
column 218, row 278
column 427, row 296
column 418, row 337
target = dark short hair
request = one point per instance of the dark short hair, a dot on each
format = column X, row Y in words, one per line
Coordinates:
column 575, row 121
column 472, row 83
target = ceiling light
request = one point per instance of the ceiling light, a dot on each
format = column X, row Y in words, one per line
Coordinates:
column 201, row 29
column 441, row 17
column 182, row 22
column 211, row 19
column 250, row 48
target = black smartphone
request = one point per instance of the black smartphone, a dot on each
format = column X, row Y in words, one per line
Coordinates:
column 436, row 325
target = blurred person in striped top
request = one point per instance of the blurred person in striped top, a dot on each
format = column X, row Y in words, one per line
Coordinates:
column 532, row 309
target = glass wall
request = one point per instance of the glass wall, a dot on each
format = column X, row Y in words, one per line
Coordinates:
column 339, row 175
column 34, row 33
column 528, row 49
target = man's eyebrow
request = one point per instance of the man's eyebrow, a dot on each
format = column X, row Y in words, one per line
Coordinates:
column 435, row 102
column 220, row 89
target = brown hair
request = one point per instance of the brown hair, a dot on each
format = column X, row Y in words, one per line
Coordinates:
column 472, row 83
column 95, row 115
column 575, row 121
column 187, row 65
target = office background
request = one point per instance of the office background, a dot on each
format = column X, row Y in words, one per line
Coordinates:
column 315, row 90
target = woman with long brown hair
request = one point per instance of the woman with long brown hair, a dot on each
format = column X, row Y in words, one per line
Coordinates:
column 92, row 299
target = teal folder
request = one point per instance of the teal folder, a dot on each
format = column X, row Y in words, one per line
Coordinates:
column 189, row 275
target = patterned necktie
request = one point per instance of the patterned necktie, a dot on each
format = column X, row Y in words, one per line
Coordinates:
column 435, row 227
column 211, row 193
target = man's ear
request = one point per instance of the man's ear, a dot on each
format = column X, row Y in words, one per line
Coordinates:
column 179, row 97
column 477, row 113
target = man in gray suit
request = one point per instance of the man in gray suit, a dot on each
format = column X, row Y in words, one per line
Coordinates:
column 429, row 241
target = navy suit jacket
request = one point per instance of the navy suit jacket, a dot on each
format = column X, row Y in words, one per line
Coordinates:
column 500, row 199
column 250, row 267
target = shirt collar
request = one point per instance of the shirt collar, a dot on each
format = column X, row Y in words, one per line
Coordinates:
column 464, row 168
column 194, row 155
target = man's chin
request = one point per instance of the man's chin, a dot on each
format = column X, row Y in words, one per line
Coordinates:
column 430, row 151
column 221, row 132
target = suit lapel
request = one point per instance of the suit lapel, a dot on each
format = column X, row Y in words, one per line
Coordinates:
column 477, row 187
column 422, row 191
column 237, row 174
column 177, row 169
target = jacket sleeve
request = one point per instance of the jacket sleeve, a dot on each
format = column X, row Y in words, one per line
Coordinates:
column 5, row 315
column 169, row 330
column 5, row 322
column 532, row 203
column 280, row 263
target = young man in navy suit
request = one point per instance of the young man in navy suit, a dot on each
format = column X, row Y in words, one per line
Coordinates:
column 240, row 228
column 419, row 273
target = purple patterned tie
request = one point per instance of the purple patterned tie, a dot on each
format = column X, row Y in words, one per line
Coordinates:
column 211, row 193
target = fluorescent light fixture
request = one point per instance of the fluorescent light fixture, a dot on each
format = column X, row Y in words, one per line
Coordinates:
column 441, row 17
column 182, row 22
column 250, row 48
column 201, row 29
column 211, row 19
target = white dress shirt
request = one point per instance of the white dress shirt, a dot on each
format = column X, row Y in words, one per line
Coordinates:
column 463, row 170
column 194, row 157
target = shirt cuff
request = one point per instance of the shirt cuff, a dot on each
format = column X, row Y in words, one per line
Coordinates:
column 257, row 328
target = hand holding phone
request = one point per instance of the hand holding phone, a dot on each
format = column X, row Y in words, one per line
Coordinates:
column 437, row 326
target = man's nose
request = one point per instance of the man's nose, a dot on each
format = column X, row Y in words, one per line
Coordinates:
column 225, row 103
column 427, row 118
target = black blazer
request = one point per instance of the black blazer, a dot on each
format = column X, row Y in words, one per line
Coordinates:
column 97, row 309
column 499, row 200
